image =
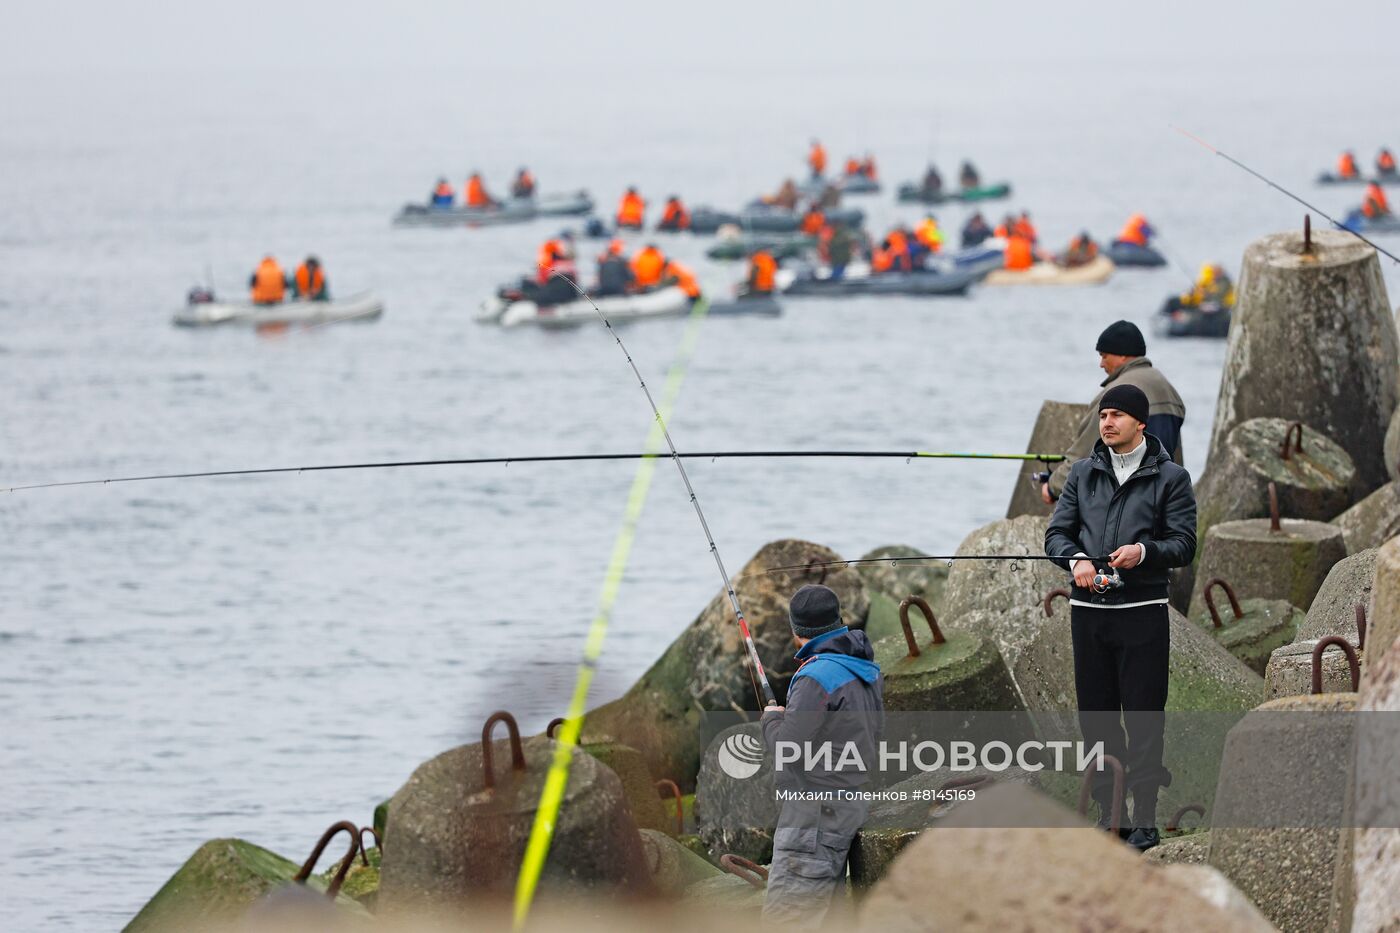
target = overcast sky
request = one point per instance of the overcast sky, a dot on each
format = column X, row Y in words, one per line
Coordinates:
column 61, row 35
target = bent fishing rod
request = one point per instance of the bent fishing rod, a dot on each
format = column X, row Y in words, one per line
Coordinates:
column 559, row 458
column 1277, row 187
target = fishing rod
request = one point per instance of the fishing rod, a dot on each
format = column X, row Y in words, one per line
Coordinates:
column 1102, row 583
column 558, row 458
column 1285, row 191
column 769, row 697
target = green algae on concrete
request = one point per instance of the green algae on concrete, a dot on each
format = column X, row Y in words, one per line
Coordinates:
column 1289, row 564
column 219, row 882
column 1264, row 625
column 638, row 785
column 965, row 672
column 668, row 804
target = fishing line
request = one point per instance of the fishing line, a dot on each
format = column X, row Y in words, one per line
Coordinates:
column 1280, row 188
column 895, row 561
column 556, row 458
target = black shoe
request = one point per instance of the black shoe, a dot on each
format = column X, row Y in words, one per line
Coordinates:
column 1144, row 838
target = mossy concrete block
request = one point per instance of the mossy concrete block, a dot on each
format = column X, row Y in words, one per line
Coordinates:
column 218, row 884
column 1274, row 767
column 687, row 807
column 895, row 580
column 874, row 850
column 362, row 880
column 1263, row 626
column 728, row 893
column 1216, row 889
column 1372, row 521
column 381, row 819
column 1314, row 483
column 1384, row 629
column 673, row 867
column 1392, row 446
column 736, row 815
column 1186, row 849
column 1015, row 860
column 1056, row 427
column 964, row 672
column 1348, row 585
column 1289, row 564
column 704, row 668
column 1375, row 875
column 1289, row 673
column 453, row 840
column 883, row 618
column 1312, row 339
column 643, row 799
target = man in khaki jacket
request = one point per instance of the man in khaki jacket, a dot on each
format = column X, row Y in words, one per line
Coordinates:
column 1123, row 355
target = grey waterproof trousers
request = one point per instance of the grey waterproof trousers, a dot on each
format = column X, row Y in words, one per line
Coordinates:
column 810, row 846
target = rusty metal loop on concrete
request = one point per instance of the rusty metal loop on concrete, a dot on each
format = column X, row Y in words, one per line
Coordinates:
column 1294, row 431
column 1174, row 824
column 553, row 726
column 751, row 872
column 378, row 843
column 344, row 826
column 813, row 563
column 667, row 784
column 1361, row 626
column 517, row 753
column 1229, row 594
column 1273, row 509
column 1050, row 599
column 1087, row 782
column 1352, row 661
column 923, row 605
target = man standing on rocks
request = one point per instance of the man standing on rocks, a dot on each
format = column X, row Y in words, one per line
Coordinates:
column 1123, row 355
column 834, row 700
column 1130, row 504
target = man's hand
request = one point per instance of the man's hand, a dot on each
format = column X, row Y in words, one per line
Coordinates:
column 1045, row 494
column 1126, row 557
column 774, row 708
column 1084, row 574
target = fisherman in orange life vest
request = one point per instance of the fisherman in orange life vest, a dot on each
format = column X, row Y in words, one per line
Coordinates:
column 812, row 221
column 647, row 265
column 675, row 273
column 1375, row 204
column 556, row 255
column 816, row 159
column 763, row 271
column 268, row 283
column 1136, row 231
column 1346, row 165
column 631, row 212
column 310, row 281
column 1385, row 163
column 674, row 216
column 443, row 195
column 476, row 192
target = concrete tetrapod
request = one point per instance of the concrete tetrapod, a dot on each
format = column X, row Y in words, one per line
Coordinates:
column 673, row 867
column 1375, row 875
column 737, row 814
column 1391, row 446
column 1348, row 585
column 1314, row 477
column 1056, row 427
column 959, row 671
column 897, row 580
column 1269, row 558
column 1281, row 802
column 705, row 668
column 1296, row 669
column 1385, row 619
column 1372, row 521
column 1015, row 860
column 1312, row 339
column 1252, row 629
column 457, row 829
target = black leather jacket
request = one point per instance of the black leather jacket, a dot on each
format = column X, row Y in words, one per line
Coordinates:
column 1096, row 516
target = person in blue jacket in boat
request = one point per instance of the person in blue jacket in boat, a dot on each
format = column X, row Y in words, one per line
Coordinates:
column 442, row 195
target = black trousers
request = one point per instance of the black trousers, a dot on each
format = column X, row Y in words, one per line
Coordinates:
column 1120, row 680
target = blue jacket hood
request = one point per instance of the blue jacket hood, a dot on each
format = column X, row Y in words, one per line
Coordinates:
column 851, row 652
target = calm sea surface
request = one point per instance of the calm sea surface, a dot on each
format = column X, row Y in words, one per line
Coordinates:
column 261, row 656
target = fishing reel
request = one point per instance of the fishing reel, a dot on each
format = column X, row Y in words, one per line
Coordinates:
column 1104, row 582
column 1039, row 479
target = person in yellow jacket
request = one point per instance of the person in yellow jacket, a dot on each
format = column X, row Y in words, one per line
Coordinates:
column 1213, row 286
column 929, row 235
column 268, row 283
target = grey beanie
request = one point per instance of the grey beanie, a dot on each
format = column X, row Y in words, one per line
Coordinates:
column 814, row 610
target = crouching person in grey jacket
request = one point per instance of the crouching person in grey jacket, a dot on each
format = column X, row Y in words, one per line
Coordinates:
column 824, row 741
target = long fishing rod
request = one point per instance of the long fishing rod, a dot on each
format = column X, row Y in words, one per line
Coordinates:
column 559, row 458
column 769, row 697
column 895, row 561
column 1283, row 190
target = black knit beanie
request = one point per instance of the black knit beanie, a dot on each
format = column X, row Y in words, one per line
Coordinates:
column 1122, row 338
column 1128, row 399
column 814, row 610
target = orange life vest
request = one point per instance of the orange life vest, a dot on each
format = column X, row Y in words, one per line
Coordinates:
column 646, row 267
column 444, row 190
column 1024, row 228
column 1132, row 230
column 813, row 221
column 899, row 250
column 310, row 285
column 632, row 211
column 763, row 272
column 476, row 193
column 675, row 217
column 1019, row 254
column 551, row 252
column 817, row 159
column 867, row 168
column 1385, row 162
column 1346, row 165
column 269, row 282
column 1375, row 204
column 881, row 260
column 852, row 166
column 684, row 278
column 1001, row 231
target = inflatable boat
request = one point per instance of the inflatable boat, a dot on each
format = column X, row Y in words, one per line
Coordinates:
column 781, row 246
column 1130, row 254
column 362, row 307
column 1357, row 222
column 1207, row 320
column 913, row 193
column 1094, row 272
